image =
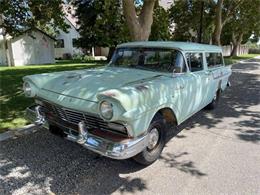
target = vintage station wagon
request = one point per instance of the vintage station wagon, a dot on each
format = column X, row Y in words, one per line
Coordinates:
column 123, row 110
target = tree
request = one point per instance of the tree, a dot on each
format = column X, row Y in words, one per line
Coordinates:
column 139, row 24
column 186, row 16
column 244, row 23
column 223, row 13
column 161, row 22
column 20, row 15
column 101, row 23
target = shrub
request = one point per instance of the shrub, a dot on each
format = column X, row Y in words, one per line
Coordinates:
column 77, row 57
column 66, row 56
column 88, row 58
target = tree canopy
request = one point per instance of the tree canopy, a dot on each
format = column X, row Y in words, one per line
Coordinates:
column 244, row 23
column 19, row 15
column 101, row 23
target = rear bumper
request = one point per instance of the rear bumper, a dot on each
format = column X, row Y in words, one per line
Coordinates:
column 116, row 150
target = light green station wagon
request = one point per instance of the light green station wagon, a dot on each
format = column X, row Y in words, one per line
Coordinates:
column 125, row 109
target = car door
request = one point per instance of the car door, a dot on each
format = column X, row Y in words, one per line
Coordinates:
column 214, row 62
column 196, row 81
column 183, row 89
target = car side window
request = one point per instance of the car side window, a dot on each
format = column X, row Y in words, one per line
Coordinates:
column 195, row 61
column 214, row 59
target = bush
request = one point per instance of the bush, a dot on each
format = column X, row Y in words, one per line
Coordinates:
column 88, row 58
column 254, row 51
column 66, row 56
column 77, row 57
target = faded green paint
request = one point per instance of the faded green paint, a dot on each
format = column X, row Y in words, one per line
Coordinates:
column 136, row 94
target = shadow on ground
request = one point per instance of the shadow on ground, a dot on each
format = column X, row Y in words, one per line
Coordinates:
column 43, row 163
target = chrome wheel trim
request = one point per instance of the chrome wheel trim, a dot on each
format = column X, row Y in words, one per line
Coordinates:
column 215, row 97
column 153, row 138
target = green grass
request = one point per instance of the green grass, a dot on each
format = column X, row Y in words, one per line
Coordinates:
column 233, row 60
column 12, row 100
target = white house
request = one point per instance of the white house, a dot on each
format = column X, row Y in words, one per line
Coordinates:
column 65, row 42
column 32, row 47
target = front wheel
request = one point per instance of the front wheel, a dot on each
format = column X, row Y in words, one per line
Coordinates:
column 156, row 142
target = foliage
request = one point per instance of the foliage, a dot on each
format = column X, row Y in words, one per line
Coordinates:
column 239, row 16
column 101, row 23
column 245, row 21
column 87, row 58
column 185, row 14
column 19, row 15
column 160, row 29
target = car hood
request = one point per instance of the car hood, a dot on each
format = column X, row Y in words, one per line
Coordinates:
column 86, row 84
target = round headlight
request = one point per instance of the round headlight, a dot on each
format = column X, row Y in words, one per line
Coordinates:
column 27, row 89
column 106, row 110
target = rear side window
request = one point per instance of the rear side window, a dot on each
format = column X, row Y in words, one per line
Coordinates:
column 214, row 59
column 195, row 61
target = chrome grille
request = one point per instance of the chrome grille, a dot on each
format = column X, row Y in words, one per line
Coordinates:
column 75, row 117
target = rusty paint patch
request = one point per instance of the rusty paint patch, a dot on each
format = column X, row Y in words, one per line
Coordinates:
column 110, row 94
column 141, row 87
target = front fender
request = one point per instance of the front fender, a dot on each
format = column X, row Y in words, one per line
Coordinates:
column 139, row 119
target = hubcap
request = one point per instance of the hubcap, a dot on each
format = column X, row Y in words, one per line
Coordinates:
column 215, row 97
column 153, row 138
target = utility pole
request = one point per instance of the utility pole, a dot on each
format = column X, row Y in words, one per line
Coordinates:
column 201, row 21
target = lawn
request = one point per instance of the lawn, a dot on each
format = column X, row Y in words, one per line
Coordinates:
column 12, row 100
column 232, row 60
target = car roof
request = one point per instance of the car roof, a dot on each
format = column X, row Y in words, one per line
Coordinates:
column 185, row 46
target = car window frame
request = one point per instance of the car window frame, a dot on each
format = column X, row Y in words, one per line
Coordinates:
column 203, row 60
column 163, row 49
column 216, row 66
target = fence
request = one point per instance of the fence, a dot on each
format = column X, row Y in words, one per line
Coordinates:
column 242, row 49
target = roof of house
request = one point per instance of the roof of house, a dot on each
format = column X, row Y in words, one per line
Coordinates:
column 36, row 29
column 186, row 46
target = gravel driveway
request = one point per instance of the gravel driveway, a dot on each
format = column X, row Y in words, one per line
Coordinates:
column 214, row 152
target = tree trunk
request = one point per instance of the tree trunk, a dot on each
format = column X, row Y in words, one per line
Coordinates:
column 218, row 23
column 236, row 41
column 139, row 26
column 110, row 53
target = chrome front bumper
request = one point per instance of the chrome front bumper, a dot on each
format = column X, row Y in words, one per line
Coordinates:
column 116, row 150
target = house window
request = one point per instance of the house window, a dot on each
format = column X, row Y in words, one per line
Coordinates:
column 195, row 61
column 214, row 59
column 59, row 43
column 74, row 43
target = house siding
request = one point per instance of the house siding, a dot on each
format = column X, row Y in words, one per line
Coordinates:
column 32, row 48
column 68, row 37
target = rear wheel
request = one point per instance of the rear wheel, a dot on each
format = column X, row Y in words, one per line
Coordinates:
column 156, row 142
column 213, row 104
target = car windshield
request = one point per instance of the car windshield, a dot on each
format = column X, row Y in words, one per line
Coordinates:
column 153, row 59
